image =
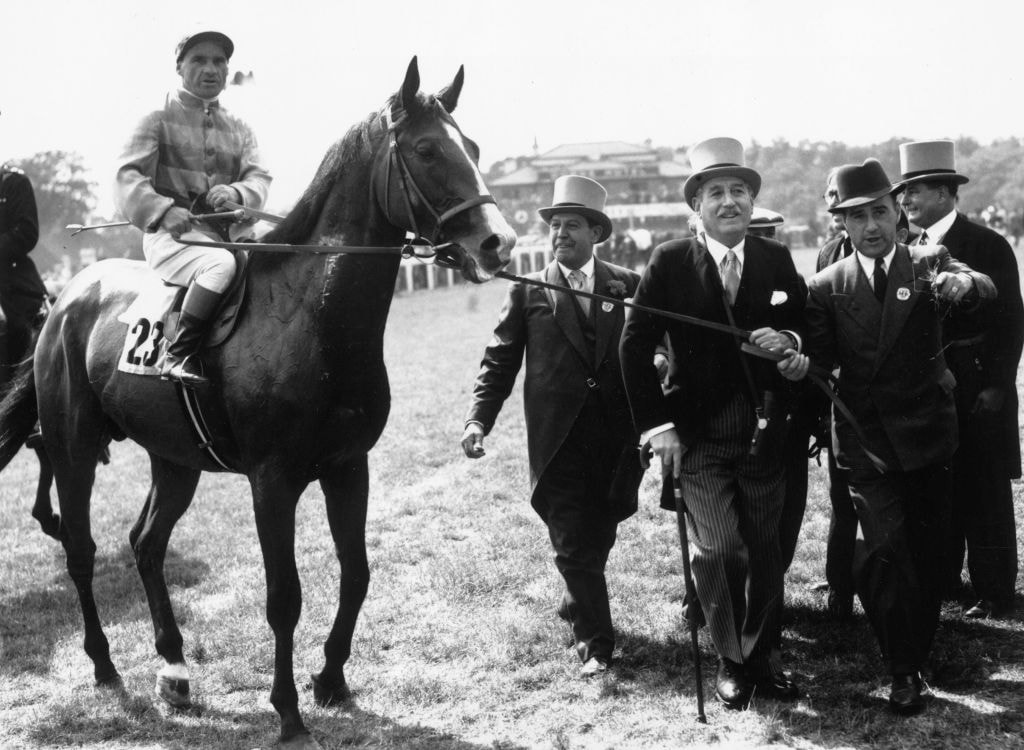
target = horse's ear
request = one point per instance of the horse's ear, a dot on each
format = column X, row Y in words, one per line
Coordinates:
column 411, row 86
column 449, row 96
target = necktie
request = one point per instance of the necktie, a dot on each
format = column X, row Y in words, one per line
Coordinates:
column 730, row 270
column 577, row 280
column 923, row 239
column 880, row 279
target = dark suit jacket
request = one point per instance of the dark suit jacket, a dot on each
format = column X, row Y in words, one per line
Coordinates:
column 19, row 230
column 835, row 249
column 706, row 371
column 1001, row 323
column 892, row 372
column 544, row 324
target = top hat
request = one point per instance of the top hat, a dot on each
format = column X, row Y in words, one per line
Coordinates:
column 191, row 40
column 929, row 160
column 718, row 157
column 764, row 218
column 579, row 195
column 861, row 184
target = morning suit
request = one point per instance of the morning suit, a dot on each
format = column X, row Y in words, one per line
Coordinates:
column 734, row 498
column 894, row 380
column 983, row 348
column 584, row 462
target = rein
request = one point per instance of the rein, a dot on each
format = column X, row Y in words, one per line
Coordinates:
column 821, row 377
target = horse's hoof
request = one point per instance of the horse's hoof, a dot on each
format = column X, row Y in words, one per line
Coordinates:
column 109, row 681
column 303, row 741
column 325, row 694
column 173, row 691
column 51, row 526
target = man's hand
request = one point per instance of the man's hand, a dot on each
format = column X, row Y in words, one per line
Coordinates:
column 794, row 366
column 667, row 447
column 473, row 440
column 661, row 365
column 176, row 222
column 769, row 338
column 989, row 401
column 216, row 196
column 952, row 287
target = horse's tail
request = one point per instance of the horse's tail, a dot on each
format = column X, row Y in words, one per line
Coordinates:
column 19, row 412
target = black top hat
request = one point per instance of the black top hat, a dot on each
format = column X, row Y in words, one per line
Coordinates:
column 858, row 185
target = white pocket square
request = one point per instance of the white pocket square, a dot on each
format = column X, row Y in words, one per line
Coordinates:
column 779, row 297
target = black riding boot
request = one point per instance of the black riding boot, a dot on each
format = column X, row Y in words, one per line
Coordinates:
column 182, row 361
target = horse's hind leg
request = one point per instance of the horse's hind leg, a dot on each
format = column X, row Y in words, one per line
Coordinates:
column 345, row 492
column 169, row 497
column 74, row 488
column 42, row 510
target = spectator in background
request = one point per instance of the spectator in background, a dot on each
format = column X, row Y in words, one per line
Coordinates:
column 22, row 292
column 982, row 348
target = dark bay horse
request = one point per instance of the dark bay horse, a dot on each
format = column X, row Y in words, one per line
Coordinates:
column 299, row 393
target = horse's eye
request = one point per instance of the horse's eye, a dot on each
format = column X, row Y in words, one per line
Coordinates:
column 425, row 151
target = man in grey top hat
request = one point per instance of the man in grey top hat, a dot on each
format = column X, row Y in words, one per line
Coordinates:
column 715, row 401
column 982, row 347
column 876, row 315
column 584, row 462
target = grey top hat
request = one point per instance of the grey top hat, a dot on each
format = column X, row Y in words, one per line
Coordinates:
column 192, row 40
column 929, row 160
column 861, row 184
column 718, row 157
column 579, row 195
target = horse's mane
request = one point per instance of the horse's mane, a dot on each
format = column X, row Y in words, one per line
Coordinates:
column 354, row 148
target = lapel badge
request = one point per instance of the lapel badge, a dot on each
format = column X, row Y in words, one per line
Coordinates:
column 607, row 307
column 903, row 294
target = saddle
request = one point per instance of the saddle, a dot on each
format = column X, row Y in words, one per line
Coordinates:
column 152, row 320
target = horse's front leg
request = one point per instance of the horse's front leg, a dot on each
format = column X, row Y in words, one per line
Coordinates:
column 169, row 497
column 274, row 500
column 345, row 492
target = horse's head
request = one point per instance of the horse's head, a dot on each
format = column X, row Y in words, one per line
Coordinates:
column 427, row 181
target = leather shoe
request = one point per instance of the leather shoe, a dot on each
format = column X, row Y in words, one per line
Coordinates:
column 732, row 688
column 840, row 606
column 985, row 608
column 595, row 666
column 908, row 694
column 772, row 682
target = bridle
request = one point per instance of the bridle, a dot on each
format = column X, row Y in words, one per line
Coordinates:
column 396, row 163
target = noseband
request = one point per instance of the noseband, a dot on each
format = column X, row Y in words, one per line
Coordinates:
column 396, row 163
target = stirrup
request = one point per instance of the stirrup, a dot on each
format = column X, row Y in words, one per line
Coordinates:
column 179, row 373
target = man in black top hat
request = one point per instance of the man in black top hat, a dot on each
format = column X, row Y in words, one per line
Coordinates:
column 876, row 315
column 983, row 349
column 21, row 289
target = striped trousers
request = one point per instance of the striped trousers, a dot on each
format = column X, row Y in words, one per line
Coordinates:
column 735, row 502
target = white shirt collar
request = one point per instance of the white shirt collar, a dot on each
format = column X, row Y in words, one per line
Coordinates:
column 868, row 264
column 938, row 230
column 718, row 250
column 587, row 268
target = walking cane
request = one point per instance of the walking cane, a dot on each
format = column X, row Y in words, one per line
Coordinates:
column 691, row 594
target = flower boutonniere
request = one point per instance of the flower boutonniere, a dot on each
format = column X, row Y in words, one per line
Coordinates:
column 617, row 289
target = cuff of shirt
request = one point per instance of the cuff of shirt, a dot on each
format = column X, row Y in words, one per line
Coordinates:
column 645, row 437
column 799, row 342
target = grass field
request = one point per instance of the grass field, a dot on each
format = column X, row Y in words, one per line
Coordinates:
column 458, row 646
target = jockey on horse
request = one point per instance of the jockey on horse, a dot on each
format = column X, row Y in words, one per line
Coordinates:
column 191, row 152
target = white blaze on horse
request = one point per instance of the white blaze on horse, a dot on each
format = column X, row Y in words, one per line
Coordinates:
column 299, row 391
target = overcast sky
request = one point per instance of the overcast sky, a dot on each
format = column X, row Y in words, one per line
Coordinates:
column 75, row 76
